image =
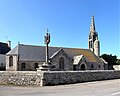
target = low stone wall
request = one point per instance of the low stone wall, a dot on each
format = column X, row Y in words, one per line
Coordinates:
column 65, row 77
column 20, row 77
column 54, row 77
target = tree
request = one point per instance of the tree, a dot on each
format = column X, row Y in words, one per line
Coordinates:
column 118, row 62
column 112, row 60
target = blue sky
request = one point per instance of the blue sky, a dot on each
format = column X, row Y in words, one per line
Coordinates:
column 68, row 22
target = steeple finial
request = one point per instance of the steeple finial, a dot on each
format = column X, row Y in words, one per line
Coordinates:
column 47, row 30
column 92, row 26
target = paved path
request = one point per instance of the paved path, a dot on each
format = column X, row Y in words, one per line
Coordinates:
column 98, row 88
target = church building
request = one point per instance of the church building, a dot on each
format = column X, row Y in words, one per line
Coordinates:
column 28, row 57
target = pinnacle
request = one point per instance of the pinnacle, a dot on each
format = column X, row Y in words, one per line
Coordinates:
column 92, row 26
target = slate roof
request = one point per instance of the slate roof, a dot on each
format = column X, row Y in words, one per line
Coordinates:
column 37, row 53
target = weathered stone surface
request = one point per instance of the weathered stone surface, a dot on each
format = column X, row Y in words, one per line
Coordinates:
column 20, row 78
column 66, row 77
column 55, row 77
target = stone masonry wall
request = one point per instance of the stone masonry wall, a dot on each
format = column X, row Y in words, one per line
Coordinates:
column 68, row 64
column 65, row 77
column 29, row 65
column 55, row 77
column 20, row 77
column 14, row 67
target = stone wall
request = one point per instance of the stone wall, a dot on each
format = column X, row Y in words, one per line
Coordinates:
column 2, row 61
column 68, row 64
column 54, row 77
column 65, row 77
column 14, row 67
column 29, row 65
column 20, row 77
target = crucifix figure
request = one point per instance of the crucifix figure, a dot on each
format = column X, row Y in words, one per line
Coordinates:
column 47, row 41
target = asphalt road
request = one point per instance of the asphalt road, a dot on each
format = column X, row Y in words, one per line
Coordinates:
column 98, row 88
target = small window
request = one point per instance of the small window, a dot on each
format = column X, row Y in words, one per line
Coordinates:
column 23, row 66
column 10, row 61
column 36, row 65
column 99, row 66
column 1, row 64
column 74, row 67
column 92, row 66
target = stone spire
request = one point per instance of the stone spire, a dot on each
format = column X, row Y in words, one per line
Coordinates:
column 92, row 26
column 93, row 42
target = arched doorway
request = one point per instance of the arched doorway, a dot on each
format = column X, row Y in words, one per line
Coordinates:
column 83, row 67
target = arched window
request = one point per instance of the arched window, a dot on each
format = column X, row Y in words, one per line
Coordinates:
column 61, row 63
column 83, row 67
column 10, row 61
column 90, row 44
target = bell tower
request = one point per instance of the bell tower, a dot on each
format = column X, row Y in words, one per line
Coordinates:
column 93, row 42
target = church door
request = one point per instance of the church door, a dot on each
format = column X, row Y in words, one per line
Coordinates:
column 83, row 67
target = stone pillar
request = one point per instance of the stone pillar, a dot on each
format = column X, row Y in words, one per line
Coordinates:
column 47, row 41
column 46, row 66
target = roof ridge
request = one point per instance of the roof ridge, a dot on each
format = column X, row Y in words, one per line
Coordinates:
column 53, row 46
column 74, row 48
column 28, row 45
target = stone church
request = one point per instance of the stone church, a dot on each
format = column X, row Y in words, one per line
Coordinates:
column 28, row 57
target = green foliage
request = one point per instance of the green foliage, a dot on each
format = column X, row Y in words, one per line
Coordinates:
column 110, row 59
column 118, row 62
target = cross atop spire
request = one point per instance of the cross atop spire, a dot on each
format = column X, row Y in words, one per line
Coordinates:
column 47, row 30
column 92, row 26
